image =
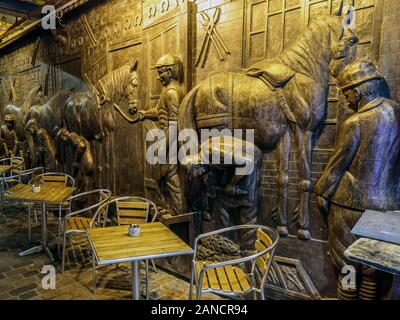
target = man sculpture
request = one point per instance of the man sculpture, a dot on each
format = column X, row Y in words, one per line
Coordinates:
column 83, row 161
column 8, row 137
column 363, row 170
column 41, row 146
column 170, row 74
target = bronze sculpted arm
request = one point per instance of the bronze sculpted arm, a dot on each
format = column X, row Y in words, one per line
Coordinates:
column 173, row 101
column 48, row 144
column 345, row 148
column 151, row 113
column 16, row 144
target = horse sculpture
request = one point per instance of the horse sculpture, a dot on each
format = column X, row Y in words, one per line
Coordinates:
column 34, row 97
column 78, row 113
column 275, row 98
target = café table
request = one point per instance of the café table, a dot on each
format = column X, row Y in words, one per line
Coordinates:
column 48, row 194
column 379, row 255
column 4, row 169
column 111, row 245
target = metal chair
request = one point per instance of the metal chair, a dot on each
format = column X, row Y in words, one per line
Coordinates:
column 55, row 178
column 16, row 162
column 229, row 278
column 74, row 222
column 131, row 210
column 23, row 176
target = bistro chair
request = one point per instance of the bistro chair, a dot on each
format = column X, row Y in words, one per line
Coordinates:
column 16, row 162
column 22, row 176
column 78, row 221
column 131, row 210
column 230, row 278
column 54, row 178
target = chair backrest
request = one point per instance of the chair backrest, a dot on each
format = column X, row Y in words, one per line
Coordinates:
column 16, row 162
column 56, row 178
column 101, row 195
column 132, row 210
column 266, row 240
column 25, row 176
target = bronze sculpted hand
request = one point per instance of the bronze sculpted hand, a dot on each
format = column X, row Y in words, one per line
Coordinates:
column 142, row 115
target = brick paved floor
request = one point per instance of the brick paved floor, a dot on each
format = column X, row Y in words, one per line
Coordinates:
column 21, row 277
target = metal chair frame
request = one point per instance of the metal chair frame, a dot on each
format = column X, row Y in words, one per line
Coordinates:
column 198, row 280
column 129, row 198
column 101, row 192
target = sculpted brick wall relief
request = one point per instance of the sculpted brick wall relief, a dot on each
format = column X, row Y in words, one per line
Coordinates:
column 209, row 36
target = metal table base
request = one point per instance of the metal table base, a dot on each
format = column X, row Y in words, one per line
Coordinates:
column 2, row 215
column 135, row 280
column 43, row 247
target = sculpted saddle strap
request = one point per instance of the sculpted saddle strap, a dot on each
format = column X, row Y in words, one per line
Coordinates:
column 275, row 75
column 284, row 106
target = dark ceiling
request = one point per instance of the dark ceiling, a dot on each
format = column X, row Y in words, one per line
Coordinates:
column 20, row 7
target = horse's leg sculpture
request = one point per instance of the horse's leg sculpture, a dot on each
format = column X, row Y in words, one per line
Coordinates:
column 305, row 144
column 283, row 183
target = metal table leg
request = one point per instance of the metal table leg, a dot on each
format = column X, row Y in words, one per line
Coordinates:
column 43, row 247
column 2, row 216
column 135, row 280
column 396, row 288
column 44, row 233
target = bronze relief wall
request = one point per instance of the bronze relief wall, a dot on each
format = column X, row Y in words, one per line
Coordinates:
column 103, row 37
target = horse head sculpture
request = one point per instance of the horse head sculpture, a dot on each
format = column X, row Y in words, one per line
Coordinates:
column 114, row 87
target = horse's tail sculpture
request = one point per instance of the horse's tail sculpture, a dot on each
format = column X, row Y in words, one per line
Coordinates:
column 186, row 116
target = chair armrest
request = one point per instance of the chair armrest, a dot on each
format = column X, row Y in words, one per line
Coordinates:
column 234, row 261
column 82, row 210
column 76, row 196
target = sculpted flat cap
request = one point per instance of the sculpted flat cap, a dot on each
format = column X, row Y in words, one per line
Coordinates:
column 358, row 72
column 9, row 117
column 167, row 60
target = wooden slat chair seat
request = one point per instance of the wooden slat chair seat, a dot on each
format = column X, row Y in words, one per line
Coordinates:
column 78, row 224
column 227, row 277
